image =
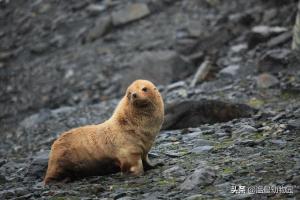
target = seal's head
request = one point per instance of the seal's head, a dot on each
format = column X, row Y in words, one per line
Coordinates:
column 143, row 94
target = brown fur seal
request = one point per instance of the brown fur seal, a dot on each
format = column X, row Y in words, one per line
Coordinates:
column 121, row 143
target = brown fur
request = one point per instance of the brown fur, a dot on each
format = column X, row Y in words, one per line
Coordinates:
column 121, row 143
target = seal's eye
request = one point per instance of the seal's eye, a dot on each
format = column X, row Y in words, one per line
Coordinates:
column 145, row 89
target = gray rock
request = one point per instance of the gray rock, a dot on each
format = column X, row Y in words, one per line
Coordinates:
column 196, row 197
column 38, row 166
column 297, row 113
column 119, row 195
column 202, row 142
column 202, row 176
column 202, row 73
column 239, row 47
column 126, row 198
column 280, row 39
column 174, row 172
column 161, row 67
column 4, row 56
column 179, row 84
column 296, row 180
column 273, row 60
column 247, row 142
column 267, row 30
column 43, row 8
column 294, row 124
column 175, row 154
column 243, row 196
column 202, row 149
column 269, row 14
column 101, row 27
column 266, row 80
column 7, row 194
column 58, row 41
column 34, row 119
column 260, row 34
column 2, row 161
column 247, row 129
column 15, row 192
column 95, row 9
column 131, row 13
column 39, row 48
column 190, row 136
column 231, row 70
column 190, row 113
column 222, row 134
column 279, row 142
column 2, row 179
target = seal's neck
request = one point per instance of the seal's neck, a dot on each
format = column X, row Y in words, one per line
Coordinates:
column 127, row 114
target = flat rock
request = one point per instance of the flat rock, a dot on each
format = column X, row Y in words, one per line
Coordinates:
column 4, row 56
column 38, row 166
column 202, row 149
column 266, row 80
column 280, row 39
column 189, row 113
column 273, row 60
column 294, row 124
column 202, row 176
column 262, row 33
column 101, row 27
column 247, row 129
column 39, row 48
column 131, row 13
column 267, row 30
column 247, row 142
column 174, row 172
column 95, row 9
column 231, row 70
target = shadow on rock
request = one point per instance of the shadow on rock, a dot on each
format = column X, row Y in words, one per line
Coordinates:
column 191, row 113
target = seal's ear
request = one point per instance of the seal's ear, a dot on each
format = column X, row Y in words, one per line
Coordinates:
column 128, row 94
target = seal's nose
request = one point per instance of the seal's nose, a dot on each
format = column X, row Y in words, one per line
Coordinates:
column 134, row 95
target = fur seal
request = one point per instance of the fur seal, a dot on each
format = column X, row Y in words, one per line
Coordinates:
column 121, row 143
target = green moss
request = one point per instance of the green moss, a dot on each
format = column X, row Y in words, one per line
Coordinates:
column 257, row 136
column 223, row 145
column 227, row 170
column 256, row 103
column 167, row 182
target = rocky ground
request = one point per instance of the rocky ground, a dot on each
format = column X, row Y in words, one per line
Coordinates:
column 66, row 64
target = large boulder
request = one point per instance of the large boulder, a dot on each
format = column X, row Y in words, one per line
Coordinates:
column 160, row 67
